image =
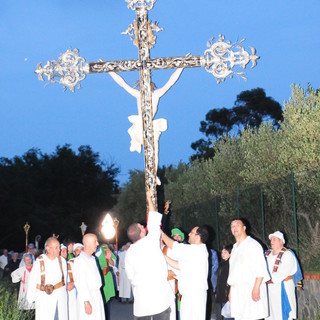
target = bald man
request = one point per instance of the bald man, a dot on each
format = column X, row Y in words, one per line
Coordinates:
column 47, row 284
column 88, row 282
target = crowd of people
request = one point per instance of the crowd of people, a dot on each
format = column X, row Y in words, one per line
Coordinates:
column 165, row 277
column 67, row 281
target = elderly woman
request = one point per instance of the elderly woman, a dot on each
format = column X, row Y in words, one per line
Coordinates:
column 22, row 275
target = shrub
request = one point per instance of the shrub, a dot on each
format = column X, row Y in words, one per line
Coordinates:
column 9, row 304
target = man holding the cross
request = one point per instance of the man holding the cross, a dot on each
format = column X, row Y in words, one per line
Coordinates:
column 191, row 268
column 147, row 270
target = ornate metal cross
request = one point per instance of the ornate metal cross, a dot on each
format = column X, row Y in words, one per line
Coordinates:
column 218, row 59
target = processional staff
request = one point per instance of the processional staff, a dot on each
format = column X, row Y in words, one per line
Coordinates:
column 83, row 228
column 116, row 224
column 219, row 59
column 26, row 230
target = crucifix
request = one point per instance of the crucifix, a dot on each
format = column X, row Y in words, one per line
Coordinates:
column 219, row 59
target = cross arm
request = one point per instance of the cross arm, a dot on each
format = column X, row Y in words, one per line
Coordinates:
column 219, row 59
column 153, row 64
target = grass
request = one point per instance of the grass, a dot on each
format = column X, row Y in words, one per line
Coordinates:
column 9, row 304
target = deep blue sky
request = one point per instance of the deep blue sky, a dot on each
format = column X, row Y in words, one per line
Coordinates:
column 285, row 34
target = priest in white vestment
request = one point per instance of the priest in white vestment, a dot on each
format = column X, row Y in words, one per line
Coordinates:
column 248, row 275
column 88, row 282
column 147, row 269
column 49, row 292
column 281, row 288
column 177, row 235
column 192, row 265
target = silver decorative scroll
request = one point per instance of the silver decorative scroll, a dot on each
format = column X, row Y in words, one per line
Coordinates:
column 220, row 59
column 133, row 32
column 69, row 70
column 136, row 4
column 153, row 64
column 115, row 65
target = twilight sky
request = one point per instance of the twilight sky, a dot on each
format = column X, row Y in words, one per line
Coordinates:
column 285, row 34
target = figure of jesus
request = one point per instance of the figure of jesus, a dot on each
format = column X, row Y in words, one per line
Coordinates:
column 159, row 125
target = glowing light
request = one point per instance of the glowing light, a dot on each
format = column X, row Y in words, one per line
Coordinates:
column 108, row 229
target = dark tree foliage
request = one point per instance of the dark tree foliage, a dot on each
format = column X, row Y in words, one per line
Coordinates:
column 204, row 149
column 54, row 193
column 251, row 108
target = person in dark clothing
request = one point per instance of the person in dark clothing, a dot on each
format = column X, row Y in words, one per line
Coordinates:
column 12, row 265
column 222, row 288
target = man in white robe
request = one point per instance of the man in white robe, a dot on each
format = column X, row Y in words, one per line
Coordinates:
column 125, row 291
column 281, row 288
column 147, row 269
column 248, row 275
column 177, row 235
column 192, row 266
column 88, row 282
column 50, row 295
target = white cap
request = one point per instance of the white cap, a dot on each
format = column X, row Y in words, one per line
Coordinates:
column 278, row 235
column 77, row 245
column 62, row 246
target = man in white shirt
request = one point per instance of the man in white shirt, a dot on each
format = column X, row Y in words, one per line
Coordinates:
column 192, row 272
column 248, row 275
column 88, row 282
column 147, row 270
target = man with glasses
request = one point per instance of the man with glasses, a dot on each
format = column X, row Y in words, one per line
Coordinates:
column 191, row 269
